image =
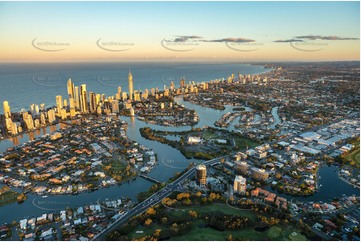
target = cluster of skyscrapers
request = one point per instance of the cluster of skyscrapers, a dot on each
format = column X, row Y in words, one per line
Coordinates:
column 35, row 119
column 83, row 102
column 80, row 101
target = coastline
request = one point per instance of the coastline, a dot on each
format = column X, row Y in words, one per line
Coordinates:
column 7, row 137
column 136, row 128
column 114, row 75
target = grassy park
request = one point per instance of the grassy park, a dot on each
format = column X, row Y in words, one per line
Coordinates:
column 354, row 156
column 200, row 230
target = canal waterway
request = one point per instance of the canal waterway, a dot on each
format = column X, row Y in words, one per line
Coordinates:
column 170, row 161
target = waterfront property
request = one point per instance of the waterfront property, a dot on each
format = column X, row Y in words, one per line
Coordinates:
column 206, row 143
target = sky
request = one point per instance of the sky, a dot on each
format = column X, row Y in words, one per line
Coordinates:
column 123, row 31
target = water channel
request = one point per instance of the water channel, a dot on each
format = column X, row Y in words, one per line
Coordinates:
column 170, row 161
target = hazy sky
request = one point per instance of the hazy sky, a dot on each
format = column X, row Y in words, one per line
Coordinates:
column 247, row 31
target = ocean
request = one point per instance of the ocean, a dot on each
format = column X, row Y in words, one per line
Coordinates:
column 24, row 84
column 35, row 83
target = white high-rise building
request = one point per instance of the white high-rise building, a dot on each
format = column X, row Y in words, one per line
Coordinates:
column 70, row 87
column 240, row 185
column 83, row 99
column 7, row 109
column 130, row 83
column 201, row 174
column 59, row 104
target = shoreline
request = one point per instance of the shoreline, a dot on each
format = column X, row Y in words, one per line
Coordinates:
column 27, row 132
column 53, row 104
column 137, row 129
column 346, row 181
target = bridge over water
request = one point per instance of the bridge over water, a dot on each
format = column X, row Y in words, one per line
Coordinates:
column 150, row 179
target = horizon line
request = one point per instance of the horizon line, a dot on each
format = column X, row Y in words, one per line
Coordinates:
column 174, row 61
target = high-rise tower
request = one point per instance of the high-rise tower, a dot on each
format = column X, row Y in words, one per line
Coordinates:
column 130, row 83
column 119, row 94
column 201, row 174
column 77, row 97
column 59, row 104
column 240, row 185
column 182, row 82
column 70, row 88
column 92, row 102
column 83, row 99
column 7, row 109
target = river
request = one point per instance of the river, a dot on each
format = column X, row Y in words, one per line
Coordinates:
column 170, row 161
column 276, row 117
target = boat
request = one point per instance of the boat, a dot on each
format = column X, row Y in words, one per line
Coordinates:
column 44, row 196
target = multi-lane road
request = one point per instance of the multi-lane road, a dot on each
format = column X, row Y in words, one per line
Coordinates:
column 176, row 185
column 153, row 200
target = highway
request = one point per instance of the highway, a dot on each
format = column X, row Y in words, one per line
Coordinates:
column 166, row 191
column 153, row 200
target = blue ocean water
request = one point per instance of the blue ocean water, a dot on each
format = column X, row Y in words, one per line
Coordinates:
column 25, row 84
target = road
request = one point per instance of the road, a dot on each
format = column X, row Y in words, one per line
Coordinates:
column 166, row 191
column 153, row 200
column 317, row 231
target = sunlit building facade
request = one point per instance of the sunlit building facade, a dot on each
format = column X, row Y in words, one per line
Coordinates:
column 201, row 175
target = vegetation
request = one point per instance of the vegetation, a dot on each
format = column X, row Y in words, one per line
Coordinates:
column 200, row 217
column 179, row 174
column 153, row 189
column 7, row 196
column 207, row 150
column 118, row 170
column 207, row 226
column 352, row 157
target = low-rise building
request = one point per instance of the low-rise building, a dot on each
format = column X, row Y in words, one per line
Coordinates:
column 242, row 167
column 194, row 140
